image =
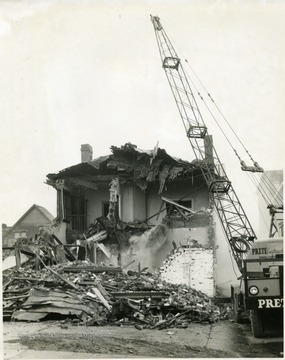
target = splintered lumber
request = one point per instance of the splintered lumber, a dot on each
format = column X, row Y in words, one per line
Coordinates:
column 68, row 253
column 102, row 290
column 100, row 297
column 56, row 274
column 103, row 248
column 97, row 237
column 103, row 295
column 61, row 278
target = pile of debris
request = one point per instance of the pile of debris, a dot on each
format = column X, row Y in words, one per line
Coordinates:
column 80, row 292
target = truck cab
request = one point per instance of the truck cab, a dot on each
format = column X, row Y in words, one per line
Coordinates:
column 261, row 291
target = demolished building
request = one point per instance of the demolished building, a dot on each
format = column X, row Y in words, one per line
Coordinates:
column 139, row 207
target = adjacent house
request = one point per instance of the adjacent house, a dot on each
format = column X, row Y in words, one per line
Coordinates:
column 140, row 207
column 35, row 219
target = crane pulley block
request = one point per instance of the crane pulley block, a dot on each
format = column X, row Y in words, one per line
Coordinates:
column 219, row 186
column 156, row 22
column 197, row 132
column 255, row 168
column 171, row 63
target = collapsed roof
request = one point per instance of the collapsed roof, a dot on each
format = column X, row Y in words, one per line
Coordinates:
column 128, row 162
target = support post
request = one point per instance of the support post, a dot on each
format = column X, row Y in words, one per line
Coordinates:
column 37, row 260
column 18, row 257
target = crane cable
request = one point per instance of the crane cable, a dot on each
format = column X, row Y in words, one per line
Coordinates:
column 213, row 116
column 267, row 186
column 266, row 180
column 267, row 183
column 209, row 95
column 274, row 192
column 223, row 116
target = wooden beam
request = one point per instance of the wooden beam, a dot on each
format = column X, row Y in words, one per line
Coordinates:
column 18, row 257
column 84, row 183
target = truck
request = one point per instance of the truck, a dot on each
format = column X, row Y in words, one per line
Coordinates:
column 259, row 296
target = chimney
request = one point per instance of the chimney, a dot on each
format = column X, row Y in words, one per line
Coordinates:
column 86, row 152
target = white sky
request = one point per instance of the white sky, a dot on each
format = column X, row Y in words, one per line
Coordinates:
column 75, row 72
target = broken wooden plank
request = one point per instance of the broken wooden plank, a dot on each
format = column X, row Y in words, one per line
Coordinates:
column 177, row 205
column 94, row 269
column 15, row 297
column 97, row 237
column 62, row 278
column 139, row 294
column 69, row 254
column 103, row 291
column 103, row 248
column 100, row 297
column 56, row 274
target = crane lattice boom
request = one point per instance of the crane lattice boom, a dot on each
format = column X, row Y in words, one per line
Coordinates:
column 235, row 223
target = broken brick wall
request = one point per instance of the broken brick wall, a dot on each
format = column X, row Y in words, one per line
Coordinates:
column 191, row 266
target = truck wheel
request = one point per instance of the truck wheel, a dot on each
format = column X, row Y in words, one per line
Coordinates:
column 256, row 323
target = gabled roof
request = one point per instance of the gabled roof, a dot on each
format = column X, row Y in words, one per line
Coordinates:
column 44, row 211
column 41, row 209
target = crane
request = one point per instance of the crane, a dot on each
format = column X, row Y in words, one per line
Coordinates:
column 234, row 220
column 260, row 293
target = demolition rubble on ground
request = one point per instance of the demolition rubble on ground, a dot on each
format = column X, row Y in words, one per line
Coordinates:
column 78, row 292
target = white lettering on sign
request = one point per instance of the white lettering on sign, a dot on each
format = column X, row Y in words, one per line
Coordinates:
column 270, row 303
column 259, row 251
